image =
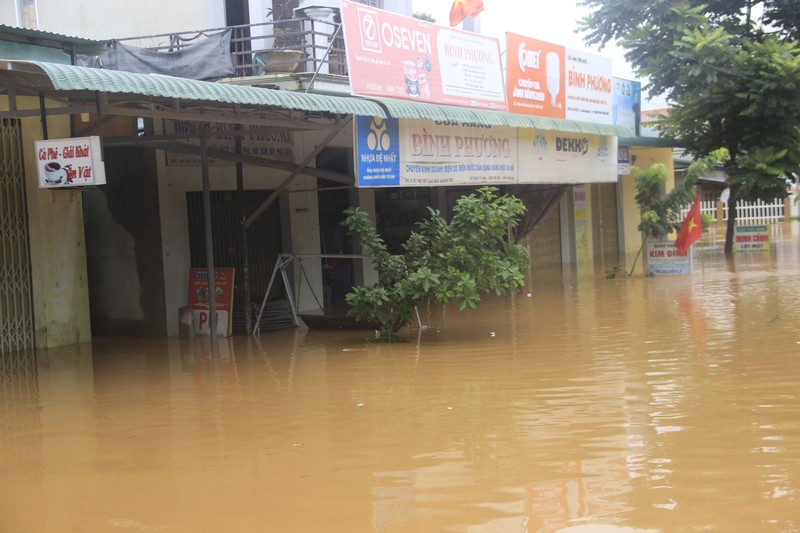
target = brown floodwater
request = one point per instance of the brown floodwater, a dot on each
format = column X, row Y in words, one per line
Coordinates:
column 580, row 405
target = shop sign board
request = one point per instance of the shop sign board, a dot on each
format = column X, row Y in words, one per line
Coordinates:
column 663, row 259
column 199, row 302
column 560, row 157
column 550, row 80
column 417, row 153
column 626, row 106
column 70, row 163
column 277, row 145
column 751, row 238
column 394, row 56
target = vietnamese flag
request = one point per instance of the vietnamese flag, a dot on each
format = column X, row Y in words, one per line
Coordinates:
column 691, row 229
column 464, row 8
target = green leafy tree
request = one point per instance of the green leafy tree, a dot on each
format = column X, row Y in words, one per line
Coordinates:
column 442, row 261
column 661, row 211
column 732, row 80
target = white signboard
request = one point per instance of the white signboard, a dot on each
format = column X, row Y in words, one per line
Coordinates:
column 70, row 163
column 751, row 239
column 589, row 87
column 560, row 157
column 663, row 259
column 203, row 320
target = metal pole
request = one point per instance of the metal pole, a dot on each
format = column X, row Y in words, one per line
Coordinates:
column 243, row 256
column 212, row 292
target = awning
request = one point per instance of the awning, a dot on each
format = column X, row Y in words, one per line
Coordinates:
column 649, row 142
column 74, row 78
column 418, row 110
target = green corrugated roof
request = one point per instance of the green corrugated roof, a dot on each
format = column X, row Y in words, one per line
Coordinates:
column 649, row 142
column 71, row 78
column 418, row 110
column 55, row 38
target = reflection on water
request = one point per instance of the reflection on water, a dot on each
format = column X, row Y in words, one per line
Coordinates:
column 588, row 405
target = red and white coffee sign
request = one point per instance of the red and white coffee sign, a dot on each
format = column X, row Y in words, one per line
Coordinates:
column 68, row 163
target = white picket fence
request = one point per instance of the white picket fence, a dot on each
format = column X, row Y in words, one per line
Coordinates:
column 746, row 211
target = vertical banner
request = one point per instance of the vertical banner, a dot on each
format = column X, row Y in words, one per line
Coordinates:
column 377, row 146
column 199, row 302
column 626, row 109
column 389, row 55
column 581, row 224
column 549, row 80
column 535, row 72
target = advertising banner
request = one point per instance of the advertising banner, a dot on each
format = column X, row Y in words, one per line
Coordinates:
column 581, row 217
column 626, row 108
column 663, row 259
column 588, row 87
column 416, row 153
column 70, row 163
column 560, row 157
column 751, row 238
column 389, row 55
column 549, row 80
column 535, row 71
column 278, row 145
column 199, row 302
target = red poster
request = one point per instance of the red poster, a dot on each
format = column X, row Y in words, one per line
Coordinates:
column 536, row 77
column 198, row 298
column 393, row 56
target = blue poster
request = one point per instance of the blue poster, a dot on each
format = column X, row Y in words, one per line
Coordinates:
column 377, row 152
column 627, row 104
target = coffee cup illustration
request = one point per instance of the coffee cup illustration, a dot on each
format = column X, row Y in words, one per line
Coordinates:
column 54, row 172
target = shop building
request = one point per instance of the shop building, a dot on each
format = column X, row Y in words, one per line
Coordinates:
column 275, row 152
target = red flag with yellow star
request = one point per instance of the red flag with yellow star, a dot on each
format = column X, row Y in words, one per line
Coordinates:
column 464, row 8
column 691, row 229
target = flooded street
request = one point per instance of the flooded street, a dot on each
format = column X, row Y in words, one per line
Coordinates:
column 580, row 405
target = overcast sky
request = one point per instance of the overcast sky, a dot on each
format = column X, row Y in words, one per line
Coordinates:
column 553, row 21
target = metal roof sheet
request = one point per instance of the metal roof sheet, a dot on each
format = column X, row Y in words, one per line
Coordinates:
column 74, row 78
column 649, row 142
column 56, row 38
column 485, row 117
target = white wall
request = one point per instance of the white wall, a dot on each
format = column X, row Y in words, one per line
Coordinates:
column 107, row 19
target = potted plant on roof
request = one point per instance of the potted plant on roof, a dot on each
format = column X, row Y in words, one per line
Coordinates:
column 288, row 45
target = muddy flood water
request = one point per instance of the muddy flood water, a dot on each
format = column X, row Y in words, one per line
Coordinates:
column 580, row 405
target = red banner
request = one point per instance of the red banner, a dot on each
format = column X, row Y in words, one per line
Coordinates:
column 199, row 298
column 393, row 56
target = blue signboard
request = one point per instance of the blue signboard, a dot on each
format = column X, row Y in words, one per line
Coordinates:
column 627, row 104
column 377, row 152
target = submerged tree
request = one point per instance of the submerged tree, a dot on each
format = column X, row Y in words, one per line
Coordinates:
column 732, row 80
column 442, row 261
column 660, row 211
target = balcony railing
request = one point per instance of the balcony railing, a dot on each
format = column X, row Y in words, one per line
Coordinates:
column 292, row 45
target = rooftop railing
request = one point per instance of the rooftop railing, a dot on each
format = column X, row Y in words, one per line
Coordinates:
column 291, row 45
